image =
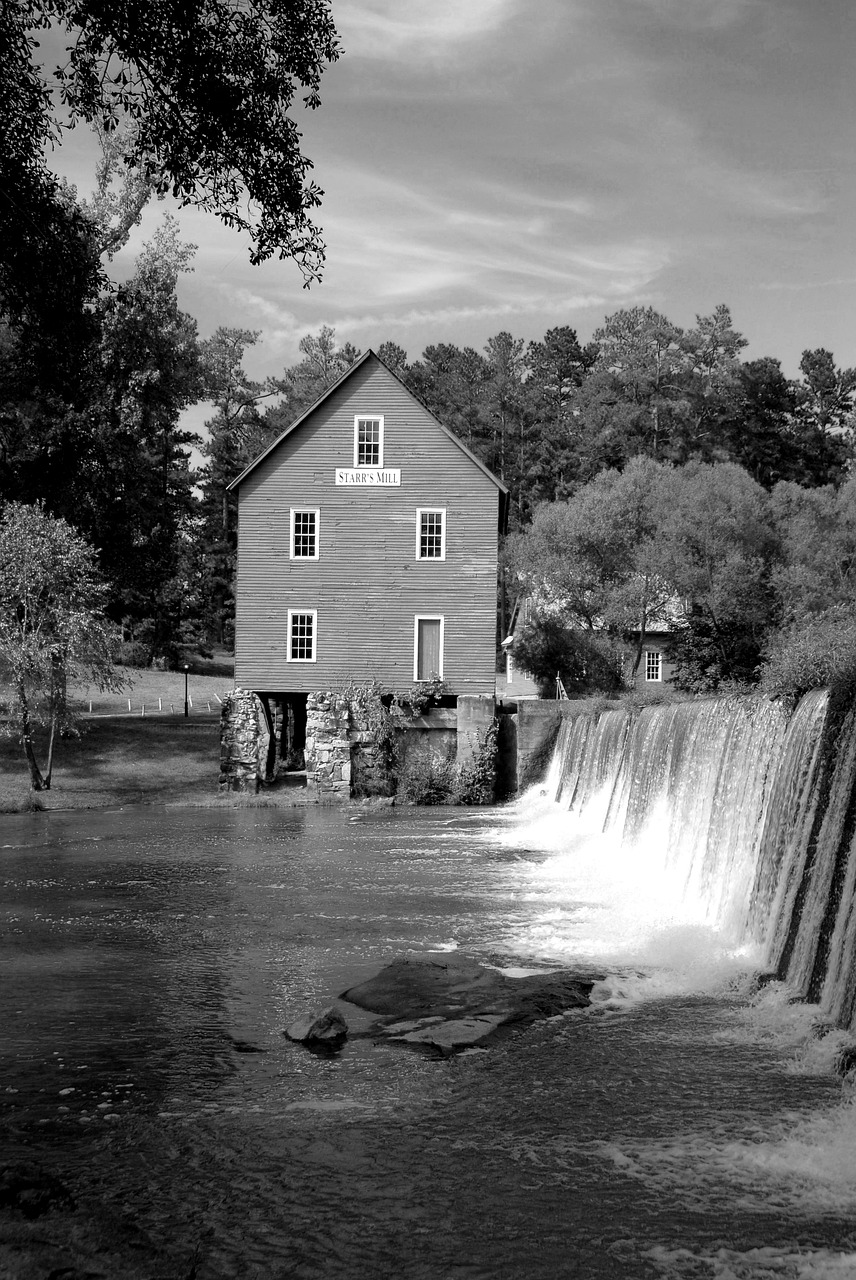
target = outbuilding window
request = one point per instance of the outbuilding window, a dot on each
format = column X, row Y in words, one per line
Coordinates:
column 653, row 664
column 302, row 634
column 430, row 534
column 304, row 534
column 368, row 441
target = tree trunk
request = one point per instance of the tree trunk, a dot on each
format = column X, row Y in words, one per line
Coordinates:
column 642, row 635
column 51, row 739
column 37, row 782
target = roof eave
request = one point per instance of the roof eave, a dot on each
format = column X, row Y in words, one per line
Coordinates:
column 233, row 484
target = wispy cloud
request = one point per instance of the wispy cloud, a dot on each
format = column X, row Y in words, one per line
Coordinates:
column 804, row 286
column 702, row 14
column 387, row 29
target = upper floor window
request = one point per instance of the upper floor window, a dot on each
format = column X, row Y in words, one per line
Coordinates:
column 304, row 534
column 653, row 664
column 302, row 634
column 368, row 441
column 430, row 534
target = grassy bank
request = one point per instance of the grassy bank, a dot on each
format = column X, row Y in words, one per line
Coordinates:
column 118, row 761
column 160, row 692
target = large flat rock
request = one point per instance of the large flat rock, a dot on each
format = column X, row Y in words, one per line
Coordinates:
column 451, row 1002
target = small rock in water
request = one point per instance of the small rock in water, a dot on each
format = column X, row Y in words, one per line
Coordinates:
column 328, row 1029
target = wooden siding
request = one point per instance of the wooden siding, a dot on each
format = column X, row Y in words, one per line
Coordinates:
column 367, row 585
column 658, row 641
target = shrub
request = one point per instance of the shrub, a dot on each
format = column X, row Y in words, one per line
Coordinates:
column 431, row 779
column 584, row 661
column 427, row 779
column 475, row 782
column 708, row 658
column 810, row 654
column 132, row 653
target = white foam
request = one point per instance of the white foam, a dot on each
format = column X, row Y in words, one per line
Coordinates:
column 615, row 907
column 751, row 1264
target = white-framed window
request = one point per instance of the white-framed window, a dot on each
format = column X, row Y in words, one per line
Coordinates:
column 428, row 637
column 304, row 533
column 302, row 635
column 431, row 533
column 368, row 440
column 653, row 664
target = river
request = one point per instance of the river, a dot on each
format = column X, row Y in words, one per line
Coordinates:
column 684, row 1126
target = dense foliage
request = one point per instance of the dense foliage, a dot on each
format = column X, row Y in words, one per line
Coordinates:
column 741, row 576
column 206, row 88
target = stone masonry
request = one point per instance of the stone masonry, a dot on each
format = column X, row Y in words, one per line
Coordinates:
column 244, row 741
column 328, row 747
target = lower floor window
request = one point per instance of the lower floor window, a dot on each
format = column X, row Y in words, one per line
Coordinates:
column 653, row 665
column 302, row 631
column 428, row 648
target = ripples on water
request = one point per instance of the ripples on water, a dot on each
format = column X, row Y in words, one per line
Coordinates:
column 151, row 959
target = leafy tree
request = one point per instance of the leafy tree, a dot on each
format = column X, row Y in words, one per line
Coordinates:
column 49, row 263
column 394, row 357
column 52, row 626
column 717, row 548
column 237, row 433
column 657, row 389
column 713, row 386
column 634, row 399
column 548, row 462
column 760, row 433
column 817, row 533
column 825, row 416
column 208, row 89
column 323, row 363
column 595, row 559
column 827, row 392
column 503, row 397
column 452, row 382
column 113, row 209
column 139, row 500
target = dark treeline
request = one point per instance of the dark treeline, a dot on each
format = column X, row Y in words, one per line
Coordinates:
column 90, row 424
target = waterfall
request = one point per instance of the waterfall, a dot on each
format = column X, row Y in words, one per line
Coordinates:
column 751, row 809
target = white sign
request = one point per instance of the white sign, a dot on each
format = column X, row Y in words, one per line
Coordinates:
column 367, row 476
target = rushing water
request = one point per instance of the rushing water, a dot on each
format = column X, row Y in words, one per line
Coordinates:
column 678, row 1128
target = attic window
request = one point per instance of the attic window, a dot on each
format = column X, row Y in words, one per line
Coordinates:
column 368, row 442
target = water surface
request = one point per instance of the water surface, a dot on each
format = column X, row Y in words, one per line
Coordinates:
column 152, row 958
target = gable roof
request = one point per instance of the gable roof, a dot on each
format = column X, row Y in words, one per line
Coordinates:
column 324, row 395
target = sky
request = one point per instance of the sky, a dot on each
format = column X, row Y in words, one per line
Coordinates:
column 517, row 165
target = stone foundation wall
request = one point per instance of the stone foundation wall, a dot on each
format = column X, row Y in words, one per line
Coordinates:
column 369, row 762
column 342, row 755
column 328, row 746
column 244, row 742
